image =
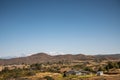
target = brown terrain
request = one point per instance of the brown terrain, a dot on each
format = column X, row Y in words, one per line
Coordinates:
column 42, row 65
column 43, row 57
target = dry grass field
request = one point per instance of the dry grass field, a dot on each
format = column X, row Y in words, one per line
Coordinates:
column 58, row 76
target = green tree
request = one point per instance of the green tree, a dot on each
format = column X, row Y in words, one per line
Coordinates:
column 101, row 69
column 110, row 65
column 118, row 64
column 48, row 78
column 88, row 69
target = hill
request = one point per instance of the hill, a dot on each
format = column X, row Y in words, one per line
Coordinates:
column 44, row 57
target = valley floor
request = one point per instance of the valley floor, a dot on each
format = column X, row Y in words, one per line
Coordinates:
column 58, row 76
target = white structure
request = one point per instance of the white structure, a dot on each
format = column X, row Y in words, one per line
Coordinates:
column 74, row 72
column 99, row 73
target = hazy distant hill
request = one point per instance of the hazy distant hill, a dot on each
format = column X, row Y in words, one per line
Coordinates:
column 109, row 56
column 44, row 57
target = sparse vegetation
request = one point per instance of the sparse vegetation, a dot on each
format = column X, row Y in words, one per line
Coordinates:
column 58, row 70
column 15, row 73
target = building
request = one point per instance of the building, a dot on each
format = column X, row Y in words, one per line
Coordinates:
column 99, row 73
column 74, row 72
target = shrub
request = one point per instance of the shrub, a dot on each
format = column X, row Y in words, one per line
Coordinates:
column 30, row 73
column 48, row 78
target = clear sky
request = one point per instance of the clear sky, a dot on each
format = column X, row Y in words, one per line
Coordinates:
column 68, row 26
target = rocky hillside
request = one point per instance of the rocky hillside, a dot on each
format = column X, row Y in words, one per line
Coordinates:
column 44, row 57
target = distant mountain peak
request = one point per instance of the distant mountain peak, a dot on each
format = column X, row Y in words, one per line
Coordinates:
column 42, row 54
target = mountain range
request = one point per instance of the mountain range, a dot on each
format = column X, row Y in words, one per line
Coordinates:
column 44, row 57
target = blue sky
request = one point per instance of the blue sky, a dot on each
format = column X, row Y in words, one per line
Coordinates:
column 68, row 26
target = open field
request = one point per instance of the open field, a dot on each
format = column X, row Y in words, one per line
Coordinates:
column 57, row 76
